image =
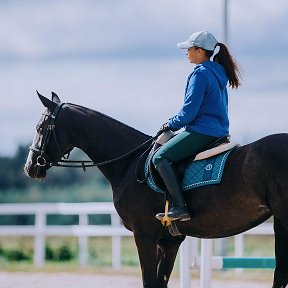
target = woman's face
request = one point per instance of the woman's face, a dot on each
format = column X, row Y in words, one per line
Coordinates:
column 191, row 55
column 196, row 55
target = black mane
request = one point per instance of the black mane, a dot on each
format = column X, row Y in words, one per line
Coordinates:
column 117, row 123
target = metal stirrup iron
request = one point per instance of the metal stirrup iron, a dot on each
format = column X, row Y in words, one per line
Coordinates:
column 166, row 221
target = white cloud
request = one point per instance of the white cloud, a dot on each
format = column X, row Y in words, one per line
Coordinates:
column 133, row 89
column 36, row 28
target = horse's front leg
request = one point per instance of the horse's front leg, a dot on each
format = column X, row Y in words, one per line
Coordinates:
column 147, row 251
column 167, row 252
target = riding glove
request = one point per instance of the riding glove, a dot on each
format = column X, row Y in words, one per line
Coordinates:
column 165, row 127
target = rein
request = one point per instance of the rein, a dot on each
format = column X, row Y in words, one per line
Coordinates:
column 88, row 163
column 64, row 162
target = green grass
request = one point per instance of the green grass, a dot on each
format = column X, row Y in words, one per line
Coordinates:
column 100, row 255
column 255, row 246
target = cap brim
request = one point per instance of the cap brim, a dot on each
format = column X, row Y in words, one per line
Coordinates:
column 184, row 45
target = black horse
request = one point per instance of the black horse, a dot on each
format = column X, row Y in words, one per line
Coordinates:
column 254, row 186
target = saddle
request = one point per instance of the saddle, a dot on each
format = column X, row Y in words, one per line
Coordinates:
column 221, row 145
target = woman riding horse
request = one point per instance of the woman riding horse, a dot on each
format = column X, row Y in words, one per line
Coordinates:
column 204, row 113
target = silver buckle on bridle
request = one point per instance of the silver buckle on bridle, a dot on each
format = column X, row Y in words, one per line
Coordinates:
column 41, row 161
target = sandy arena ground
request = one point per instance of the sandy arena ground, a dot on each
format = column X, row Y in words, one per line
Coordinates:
column 74, row 280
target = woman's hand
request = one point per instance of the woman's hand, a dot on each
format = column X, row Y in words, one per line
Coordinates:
column 164, row 128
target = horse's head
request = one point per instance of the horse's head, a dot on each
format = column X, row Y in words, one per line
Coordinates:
column 50, row 142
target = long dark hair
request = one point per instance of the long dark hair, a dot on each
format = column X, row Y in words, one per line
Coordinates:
column 224, row 58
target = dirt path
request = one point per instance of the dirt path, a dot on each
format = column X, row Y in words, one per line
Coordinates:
column 74, row 280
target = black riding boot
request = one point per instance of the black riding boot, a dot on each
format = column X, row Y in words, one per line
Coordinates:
column 179, row 209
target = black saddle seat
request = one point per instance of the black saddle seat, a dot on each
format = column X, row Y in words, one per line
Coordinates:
column 218, row 142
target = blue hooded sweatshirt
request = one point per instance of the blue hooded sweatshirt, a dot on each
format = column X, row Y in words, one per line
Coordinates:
column 205, row 108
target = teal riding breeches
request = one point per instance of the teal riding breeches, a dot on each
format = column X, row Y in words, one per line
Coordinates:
column 183, row 145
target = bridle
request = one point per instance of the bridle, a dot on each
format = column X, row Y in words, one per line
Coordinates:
column 44, row 160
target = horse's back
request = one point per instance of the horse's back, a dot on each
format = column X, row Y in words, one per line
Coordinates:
column 248, row 193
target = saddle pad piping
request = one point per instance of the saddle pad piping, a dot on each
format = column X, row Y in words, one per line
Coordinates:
column 150, row 180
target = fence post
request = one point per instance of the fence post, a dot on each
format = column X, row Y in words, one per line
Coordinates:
column 116, row 243
column 239, row 245
column 39, row 239
column 220, row 246
column 239, row 249
column 185, row 262
column 206, row 263
column 83, row 242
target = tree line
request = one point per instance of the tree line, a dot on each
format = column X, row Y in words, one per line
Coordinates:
column 13, row 177
column 61, row 185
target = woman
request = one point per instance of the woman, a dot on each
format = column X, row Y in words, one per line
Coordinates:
column 204, row 114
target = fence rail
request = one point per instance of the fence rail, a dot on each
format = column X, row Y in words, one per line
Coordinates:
column 40, row 230
column 206, row 262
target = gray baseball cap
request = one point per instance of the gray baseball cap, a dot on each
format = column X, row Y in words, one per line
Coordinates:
column 202, row 39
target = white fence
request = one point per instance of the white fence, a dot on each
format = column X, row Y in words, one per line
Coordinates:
column 188, row 251
column 83, row 230
column 189, row 257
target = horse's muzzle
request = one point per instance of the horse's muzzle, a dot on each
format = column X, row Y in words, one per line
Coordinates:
column 35, row 171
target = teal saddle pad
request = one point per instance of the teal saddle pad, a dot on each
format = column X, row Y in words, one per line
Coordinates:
column 198, row 173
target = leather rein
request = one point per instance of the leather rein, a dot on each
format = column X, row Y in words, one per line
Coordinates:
column 64, row 162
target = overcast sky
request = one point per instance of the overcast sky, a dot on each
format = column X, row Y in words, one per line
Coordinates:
column 120, row 57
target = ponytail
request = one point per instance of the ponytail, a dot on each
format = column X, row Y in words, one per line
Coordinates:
column 224, row 58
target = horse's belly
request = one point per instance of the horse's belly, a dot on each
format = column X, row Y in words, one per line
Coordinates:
column 215, row 216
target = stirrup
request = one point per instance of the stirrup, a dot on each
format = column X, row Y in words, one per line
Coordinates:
column 167, row 217
column 163, row 217
column 182, row 218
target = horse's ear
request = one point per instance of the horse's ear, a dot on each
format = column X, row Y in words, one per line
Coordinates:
column 55, row 98
column 46, row 102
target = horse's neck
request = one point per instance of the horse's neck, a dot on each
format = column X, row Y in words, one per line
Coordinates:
column 101, row 137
